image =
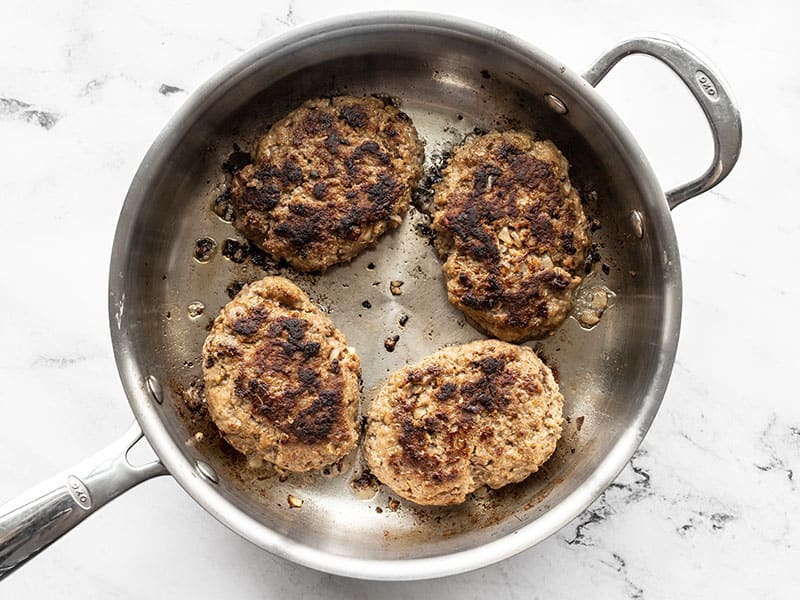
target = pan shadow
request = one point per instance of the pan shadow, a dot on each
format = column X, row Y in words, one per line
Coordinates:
column 279, row 578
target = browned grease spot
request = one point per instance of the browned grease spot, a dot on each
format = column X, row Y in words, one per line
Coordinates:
column 365, row 481
column 391, row 342
column 204, row 249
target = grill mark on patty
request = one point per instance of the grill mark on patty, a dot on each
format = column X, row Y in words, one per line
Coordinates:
column 516, row 301
column 285, row 350
column 316, row 121
column 541, row 227
column 415, row 445
column 262, row 188
column 472, row 217
column 382, row 196
column 468, row 224
column 272, row 407
column 261, row 198
column 300, row 231
column 249, row 324
column 568, row 243
column 334, row 141
column 414, row 442
column 296, row 331
column 319, row 190
column 354, row 116
column 366, row 149
column 315, row 422
column 485, row 393
column 447, row 391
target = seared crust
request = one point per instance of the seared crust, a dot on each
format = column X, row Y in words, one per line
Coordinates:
column 486, row 412
column 328, row 180
column 513, row 232
column 281, row 383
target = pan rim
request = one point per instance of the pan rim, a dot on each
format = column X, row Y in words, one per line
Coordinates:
column 260, row 534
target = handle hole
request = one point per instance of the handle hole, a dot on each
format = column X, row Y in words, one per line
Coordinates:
column 140, row 454
column 664, row 117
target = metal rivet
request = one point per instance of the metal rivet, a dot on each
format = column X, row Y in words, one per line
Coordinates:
column 154, row 387
column 556, row 104
column 207, row 472
column 638, row 224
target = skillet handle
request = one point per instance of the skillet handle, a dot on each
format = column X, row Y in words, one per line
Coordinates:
column 38, row 517
column 708, row 88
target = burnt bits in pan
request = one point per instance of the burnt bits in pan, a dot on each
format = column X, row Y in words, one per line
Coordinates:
column 223, row 207
column 236, row 161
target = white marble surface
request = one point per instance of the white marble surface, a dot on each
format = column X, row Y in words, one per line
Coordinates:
column 709, row 506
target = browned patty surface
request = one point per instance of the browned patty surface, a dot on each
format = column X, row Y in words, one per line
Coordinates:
column 328, row 180
column 483, row 413
column 513, row 232
column 281, row 383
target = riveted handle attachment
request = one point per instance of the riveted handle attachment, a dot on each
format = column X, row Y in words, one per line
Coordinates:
column 708, row 88
column 40, row 516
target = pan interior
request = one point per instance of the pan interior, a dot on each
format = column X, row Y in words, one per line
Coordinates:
column 449, row 82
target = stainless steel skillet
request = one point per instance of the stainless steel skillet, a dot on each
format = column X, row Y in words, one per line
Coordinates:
column 451, row 76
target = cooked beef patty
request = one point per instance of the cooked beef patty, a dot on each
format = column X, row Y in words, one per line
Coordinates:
column 483, row 413
column 328, row 180
column 282, row 384
column 513, row 234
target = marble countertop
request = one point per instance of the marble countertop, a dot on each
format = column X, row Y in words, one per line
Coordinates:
column 709, row 505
